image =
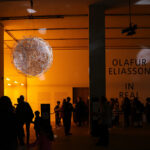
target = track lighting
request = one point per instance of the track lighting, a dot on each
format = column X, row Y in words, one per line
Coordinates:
column 131, row 30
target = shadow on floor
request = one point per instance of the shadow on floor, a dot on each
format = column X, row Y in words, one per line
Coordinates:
column 120, row 139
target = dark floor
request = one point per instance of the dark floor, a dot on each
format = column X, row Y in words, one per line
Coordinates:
column 120, row 139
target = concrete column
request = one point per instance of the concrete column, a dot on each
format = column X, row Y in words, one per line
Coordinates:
column 1, row 60
column 97, row 61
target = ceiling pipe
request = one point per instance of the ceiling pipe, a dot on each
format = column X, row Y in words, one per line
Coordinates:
column 41, row 17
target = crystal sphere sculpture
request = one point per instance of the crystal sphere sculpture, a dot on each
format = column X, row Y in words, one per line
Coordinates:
column 32, row 56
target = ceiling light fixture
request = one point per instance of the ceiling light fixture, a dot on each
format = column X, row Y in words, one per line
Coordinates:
column 15, row 82
column 9, row 84
column 22, row 84
column 7, row 79
column 31, row 10
column 42, row 30
column 131, row 30
column 143, row 2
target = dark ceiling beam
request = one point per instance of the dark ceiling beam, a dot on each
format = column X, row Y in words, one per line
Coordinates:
column 41, row 17
column 86, row 48
column 55, row 49
column 61, row 39
column 85, row 28
column 11, row 35
column 7, row 45
column 72, row 39
column 126, row 46
column 12, row 0
column 67, row 39
column 123, row 48
column 48, row 29
column 118, row 15
column 71, row 47
column 124, row 38
column 119, row 28
column 65, row 48
column 61, row 16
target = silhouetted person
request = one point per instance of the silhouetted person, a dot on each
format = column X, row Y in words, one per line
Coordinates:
column 8, row 125
column 115, row 109
column 87, row 110
column 46, row 136
column 37, row 124
column 63, row 108
column 20, row 122
column 67, row 113
column 105, row 118
column 25, row 115
column 137, row 109
column 76, row 114
column 57, row 114
column 126, row 108
column 80, row 111
column 147, row 110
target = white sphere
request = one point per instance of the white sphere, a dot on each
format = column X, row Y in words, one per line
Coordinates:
column 32, row 56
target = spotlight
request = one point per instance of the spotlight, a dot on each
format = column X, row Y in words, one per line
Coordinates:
column 7, row 79
column 126, row 30
column 22, row 84
column 131, row 30
column 31, row 11
column 131, row 33
column 132, row 27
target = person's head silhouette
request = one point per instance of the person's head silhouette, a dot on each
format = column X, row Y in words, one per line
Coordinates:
column 64, row 101
column 58, row 102
column 18, row 100
column 5, row 103
column 68, row 99
column 37, row 113
column 21, row 98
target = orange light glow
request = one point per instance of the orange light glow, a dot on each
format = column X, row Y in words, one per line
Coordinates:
column 7, row 79
column 22, row 84
column 68, row 71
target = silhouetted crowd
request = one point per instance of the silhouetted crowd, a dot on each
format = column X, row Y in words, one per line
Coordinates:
column 133, row 112
column 12, row 121
column 64, row 112
column 109, row 114
column 130, row 113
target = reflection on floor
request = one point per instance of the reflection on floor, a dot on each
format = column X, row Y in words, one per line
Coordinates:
column 120, row 139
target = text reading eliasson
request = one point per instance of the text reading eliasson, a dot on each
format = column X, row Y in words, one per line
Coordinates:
column 129, row 67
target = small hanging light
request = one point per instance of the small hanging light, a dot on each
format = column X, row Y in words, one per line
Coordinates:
column 131, row 30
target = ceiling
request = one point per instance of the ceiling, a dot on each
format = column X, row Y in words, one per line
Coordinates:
column 67, row 25
column 53, row 7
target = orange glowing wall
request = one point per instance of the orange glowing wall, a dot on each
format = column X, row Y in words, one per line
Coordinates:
column 70, row 69
column 11, row 89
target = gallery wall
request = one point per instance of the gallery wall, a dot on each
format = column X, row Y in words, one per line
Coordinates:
column 70, row 69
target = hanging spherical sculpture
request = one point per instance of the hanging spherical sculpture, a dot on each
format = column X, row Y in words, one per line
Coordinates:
column 32, row 56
